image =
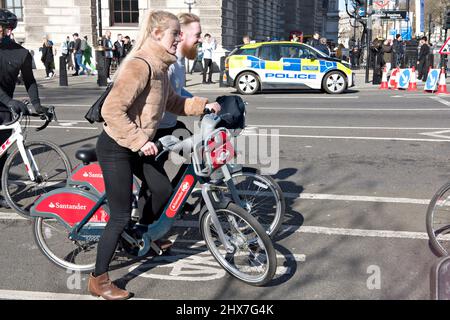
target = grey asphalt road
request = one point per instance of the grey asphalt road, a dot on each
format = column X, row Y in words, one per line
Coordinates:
column 357, row 170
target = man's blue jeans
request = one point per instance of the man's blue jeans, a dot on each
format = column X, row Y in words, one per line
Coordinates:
column 79, row 58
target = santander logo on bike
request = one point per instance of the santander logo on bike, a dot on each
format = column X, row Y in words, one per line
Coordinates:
column 89, row 174
column 58, row 205
column 179, row 197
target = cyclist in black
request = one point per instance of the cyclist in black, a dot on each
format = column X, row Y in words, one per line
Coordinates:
column 13, row 60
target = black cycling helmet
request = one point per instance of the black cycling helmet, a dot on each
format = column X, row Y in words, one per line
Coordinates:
column 8, row 19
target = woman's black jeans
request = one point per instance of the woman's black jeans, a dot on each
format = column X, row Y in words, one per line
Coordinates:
column 118, row 165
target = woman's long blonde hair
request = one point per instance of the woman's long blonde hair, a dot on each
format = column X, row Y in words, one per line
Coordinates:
column 156, row 19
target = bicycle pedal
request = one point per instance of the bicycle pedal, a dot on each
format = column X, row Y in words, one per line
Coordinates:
column 157, row 249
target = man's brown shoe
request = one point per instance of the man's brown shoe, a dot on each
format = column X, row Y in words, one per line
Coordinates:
column 102, row 286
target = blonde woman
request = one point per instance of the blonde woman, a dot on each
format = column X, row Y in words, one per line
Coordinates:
column 132, row 112
column 47, row 57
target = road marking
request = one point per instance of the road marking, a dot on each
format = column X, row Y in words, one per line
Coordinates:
column 348, row 109
column 302, row 196
column 343, row 137
column 36, row 295
column 437, row 134
column 335, row 231
column 440, row 100
column 306, row 97
column 331, row 127
column 66, row 127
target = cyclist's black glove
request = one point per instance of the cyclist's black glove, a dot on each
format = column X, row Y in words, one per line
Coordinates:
column 40, row 109
column 18, row 107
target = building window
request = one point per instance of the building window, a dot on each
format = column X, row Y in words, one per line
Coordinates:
column 124, row 11
column 15, row 6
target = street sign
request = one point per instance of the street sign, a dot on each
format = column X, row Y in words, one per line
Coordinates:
column 432, row 80
column 362, row 12
column 393, row 15
column 393, row 81
column 404, row 78
column 446, row 47
column 380, row 4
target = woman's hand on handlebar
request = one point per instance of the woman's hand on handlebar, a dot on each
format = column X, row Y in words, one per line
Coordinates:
column 150, row 149
column 213, row 107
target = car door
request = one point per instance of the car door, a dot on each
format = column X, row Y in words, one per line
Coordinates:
column 311, row 72
column 272, row 69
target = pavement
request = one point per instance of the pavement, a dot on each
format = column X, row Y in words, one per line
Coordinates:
column 357, row 171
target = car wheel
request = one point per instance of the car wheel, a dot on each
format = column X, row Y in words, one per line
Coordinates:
column 247, row 83
column 334, row 83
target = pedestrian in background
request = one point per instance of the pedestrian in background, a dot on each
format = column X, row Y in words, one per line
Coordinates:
column 423, row 61
column 208, row 47
column 387, row 54
column 119, row 49
column 323, row 46
column 79, row 44
column 398, row 51
column 315, row 41
column 48, row 57
column 109, row 55
column 198, row 60
column 377, row 60
column 126, row 46
column 87, row 58
column 340, row 51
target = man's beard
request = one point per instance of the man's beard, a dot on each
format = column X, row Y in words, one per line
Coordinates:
column 189, row 52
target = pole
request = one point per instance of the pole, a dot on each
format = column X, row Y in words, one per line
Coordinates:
column 99, row 18
column 368, row 36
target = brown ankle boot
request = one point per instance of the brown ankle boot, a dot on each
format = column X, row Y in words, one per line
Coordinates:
column 101, row 286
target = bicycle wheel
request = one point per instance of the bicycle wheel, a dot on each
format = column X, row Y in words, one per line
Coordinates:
column 438, row 221
column 262, row 197
column 50, row 166
column 52, row 238
column 253, row 259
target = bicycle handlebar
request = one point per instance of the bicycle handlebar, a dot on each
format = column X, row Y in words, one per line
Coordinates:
column 49, row 116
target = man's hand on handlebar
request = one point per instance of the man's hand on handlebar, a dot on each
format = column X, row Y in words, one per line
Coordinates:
column 150, row 149
column 18, row 107
column 213, row 107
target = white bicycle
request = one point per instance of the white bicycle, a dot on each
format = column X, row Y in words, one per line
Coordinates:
column 34, row 167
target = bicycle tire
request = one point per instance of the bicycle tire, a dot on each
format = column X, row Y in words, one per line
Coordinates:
column 43, row 234
column 270, row 221
column 18, row 199
column 247, row 223
column 434, row 234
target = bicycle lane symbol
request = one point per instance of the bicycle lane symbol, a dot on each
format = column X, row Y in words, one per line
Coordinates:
column 196, row 265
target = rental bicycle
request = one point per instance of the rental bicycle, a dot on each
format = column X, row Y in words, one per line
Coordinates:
column 34, row 167
column 438, row 221
column 69, row 221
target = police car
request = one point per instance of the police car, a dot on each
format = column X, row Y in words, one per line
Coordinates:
column 285, row 65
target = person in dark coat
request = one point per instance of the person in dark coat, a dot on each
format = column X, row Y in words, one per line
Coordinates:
column 387, row 54
column 48, row 58
column 423, row 62
column 378, row 61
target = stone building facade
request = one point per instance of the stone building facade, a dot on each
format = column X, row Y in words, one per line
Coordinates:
column 226, row 20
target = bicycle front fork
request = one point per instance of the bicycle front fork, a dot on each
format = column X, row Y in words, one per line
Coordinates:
column 207, row 193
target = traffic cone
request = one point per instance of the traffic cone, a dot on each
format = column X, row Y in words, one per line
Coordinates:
column 413, row 83
column 395, row 79
column 384, row 81
column 442, row 88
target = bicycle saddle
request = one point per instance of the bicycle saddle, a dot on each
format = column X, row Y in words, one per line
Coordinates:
column 86, row 154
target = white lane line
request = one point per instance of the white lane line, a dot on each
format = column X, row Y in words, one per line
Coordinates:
column 350, row 109
column 315, row 196
column 440, row 100
column 335, row 231
column 332, row 127
column 303, row 97
column 343, row 137
column 302, row 196
column 35, row 295
column 66, row 127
